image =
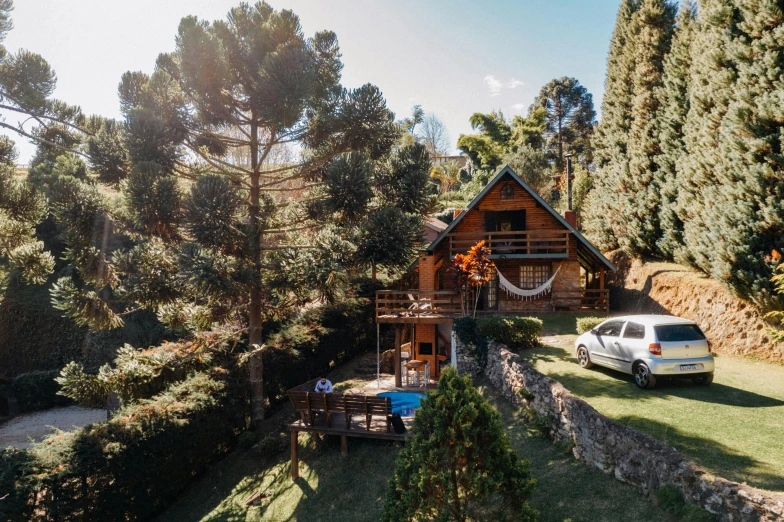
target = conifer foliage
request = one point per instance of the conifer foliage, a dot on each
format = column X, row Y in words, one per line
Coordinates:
column 689, row 146
column 459, row 464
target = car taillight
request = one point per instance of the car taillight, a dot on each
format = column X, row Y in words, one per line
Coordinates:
column 710, row 347
column 654, row 348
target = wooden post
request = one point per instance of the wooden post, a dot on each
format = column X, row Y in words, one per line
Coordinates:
column 398, row 376
column 343, row 445
column 294, row 456
column 606, row 304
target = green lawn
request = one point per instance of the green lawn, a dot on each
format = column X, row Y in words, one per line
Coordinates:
column 352, row 488
column 732, row 428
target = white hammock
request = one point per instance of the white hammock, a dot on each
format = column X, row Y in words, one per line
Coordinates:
column 525, row 294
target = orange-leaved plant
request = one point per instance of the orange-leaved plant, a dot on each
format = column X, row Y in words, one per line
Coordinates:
column 469, row 273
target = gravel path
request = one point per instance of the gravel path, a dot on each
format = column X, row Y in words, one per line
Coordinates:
column 19, row 431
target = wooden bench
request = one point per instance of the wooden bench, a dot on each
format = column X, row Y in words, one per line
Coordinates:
column 347, row 405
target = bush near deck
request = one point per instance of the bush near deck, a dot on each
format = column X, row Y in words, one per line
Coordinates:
column 132, row 466
column 514, row 332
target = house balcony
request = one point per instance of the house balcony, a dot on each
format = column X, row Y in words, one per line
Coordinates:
column 441, row 306
column 533, row 244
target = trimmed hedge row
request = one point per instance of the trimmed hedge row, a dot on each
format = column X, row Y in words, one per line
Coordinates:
column 132, row 466
column 37, row 391
column 586, row 324
column 515, row 332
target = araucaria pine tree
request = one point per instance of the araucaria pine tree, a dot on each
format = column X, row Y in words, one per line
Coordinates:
column 459, row 465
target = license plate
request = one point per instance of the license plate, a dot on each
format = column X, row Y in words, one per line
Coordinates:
column 685, row 367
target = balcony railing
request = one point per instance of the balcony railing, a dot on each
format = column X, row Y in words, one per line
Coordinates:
column 416, row 304
column 515, row 244
column 408, row 305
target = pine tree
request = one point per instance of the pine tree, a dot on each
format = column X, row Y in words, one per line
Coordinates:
column 713, row 77
column 674, row 107
column 569, row 120
column 603, row 219
column 744, row 212
column 459, row 464
column 652, row 27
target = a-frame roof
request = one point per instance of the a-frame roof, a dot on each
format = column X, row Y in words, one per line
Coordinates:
column 507, row 170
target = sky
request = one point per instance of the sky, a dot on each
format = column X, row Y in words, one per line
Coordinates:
column 454, row 58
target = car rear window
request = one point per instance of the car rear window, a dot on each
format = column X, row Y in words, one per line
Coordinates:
column 634, row 331
column 668, row 333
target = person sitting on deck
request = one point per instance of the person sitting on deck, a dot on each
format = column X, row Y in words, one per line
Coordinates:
column 323, row 385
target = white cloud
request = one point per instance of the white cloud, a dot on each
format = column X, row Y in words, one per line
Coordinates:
column 495, row 86
column 518, row 106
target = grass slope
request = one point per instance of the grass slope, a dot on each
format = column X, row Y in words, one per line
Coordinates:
column 352, row 488
column 732, row 428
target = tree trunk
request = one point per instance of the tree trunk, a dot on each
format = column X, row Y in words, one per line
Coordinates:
column 373, row 271
column 254, row 319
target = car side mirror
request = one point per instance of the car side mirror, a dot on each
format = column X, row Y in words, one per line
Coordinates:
column 594, row 332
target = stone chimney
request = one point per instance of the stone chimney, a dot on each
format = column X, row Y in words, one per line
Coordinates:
column 571, row 217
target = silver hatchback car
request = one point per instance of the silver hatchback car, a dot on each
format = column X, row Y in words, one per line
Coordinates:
column 648, row 347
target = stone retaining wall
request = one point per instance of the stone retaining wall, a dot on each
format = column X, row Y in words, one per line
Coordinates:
column 627, row 454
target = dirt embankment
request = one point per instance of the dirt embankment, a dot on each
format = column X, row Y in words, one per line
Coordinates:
column 734, row 326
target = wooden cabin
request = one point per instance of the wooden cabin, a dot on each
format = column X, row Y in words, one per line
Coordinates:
column 529, row 241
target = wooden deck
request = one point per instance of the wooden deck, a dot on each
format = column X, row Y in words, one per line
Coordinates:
column 378, row 430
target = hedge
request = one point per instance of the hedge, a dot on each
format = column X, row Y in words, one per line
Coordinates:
column 514, row 332
column 586, row 324
column 132, row 466
column 322, row 338
column 37, row 391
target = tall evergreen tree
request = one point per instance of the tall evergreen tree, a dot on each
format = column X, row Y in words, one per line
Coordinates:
column 230, row 94
column 569, row 120
column 713, row 77
column 744, row 214
column 674, row 107
column 603, row 220
column 652, row 27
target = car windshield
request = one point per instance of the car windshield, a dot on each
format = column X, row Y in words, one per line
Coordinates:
column 668, row 333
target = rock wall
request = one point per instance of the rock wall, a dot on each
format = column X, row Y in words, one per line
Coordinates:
column 466, row 361
column 627, row 454
column 734, row 326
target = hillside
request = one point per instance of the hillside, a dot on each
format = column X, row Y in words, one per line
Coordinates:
column 733, row 325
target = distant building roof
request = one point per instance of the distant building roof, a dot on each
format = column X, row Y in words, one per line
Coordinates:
column 435, row 224
column 460, row 160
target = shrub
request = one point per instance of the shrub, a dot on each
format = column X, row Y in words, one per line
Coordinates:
column 514, row 332
column 459, row 442
column 467, row 332
column 323, row 337
column 132, row 466
column 247, row 439
column 37, row 391
column 671, row 501
column 270, row 446
column 586, row 324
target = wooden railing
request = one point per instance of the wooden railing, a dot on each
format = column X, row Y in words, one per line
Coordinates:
column 584, row 299
column 533, row 243
column 416, row 304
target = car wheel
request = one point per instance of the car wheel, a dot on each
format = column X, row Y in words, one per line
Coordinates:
column 703, row 380
column 643, row 377
column 583, row 357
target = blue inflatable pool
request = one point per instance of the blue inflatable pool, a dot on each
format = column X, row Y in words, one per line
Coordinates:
column 404, row 403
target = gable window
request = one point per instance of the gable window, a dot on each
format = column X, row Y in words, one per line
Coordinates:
column 507, row 191
column 533, row 276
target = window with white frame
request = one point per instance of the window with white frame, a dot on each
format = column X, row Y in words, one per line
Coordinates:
column 533, row 276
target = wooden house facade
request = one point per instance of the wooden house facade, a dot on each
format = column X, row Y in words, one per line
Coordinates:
column 529, row 243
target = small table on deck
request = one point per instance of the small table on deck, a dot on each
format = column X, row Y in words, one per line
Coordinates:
column 417, row 366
